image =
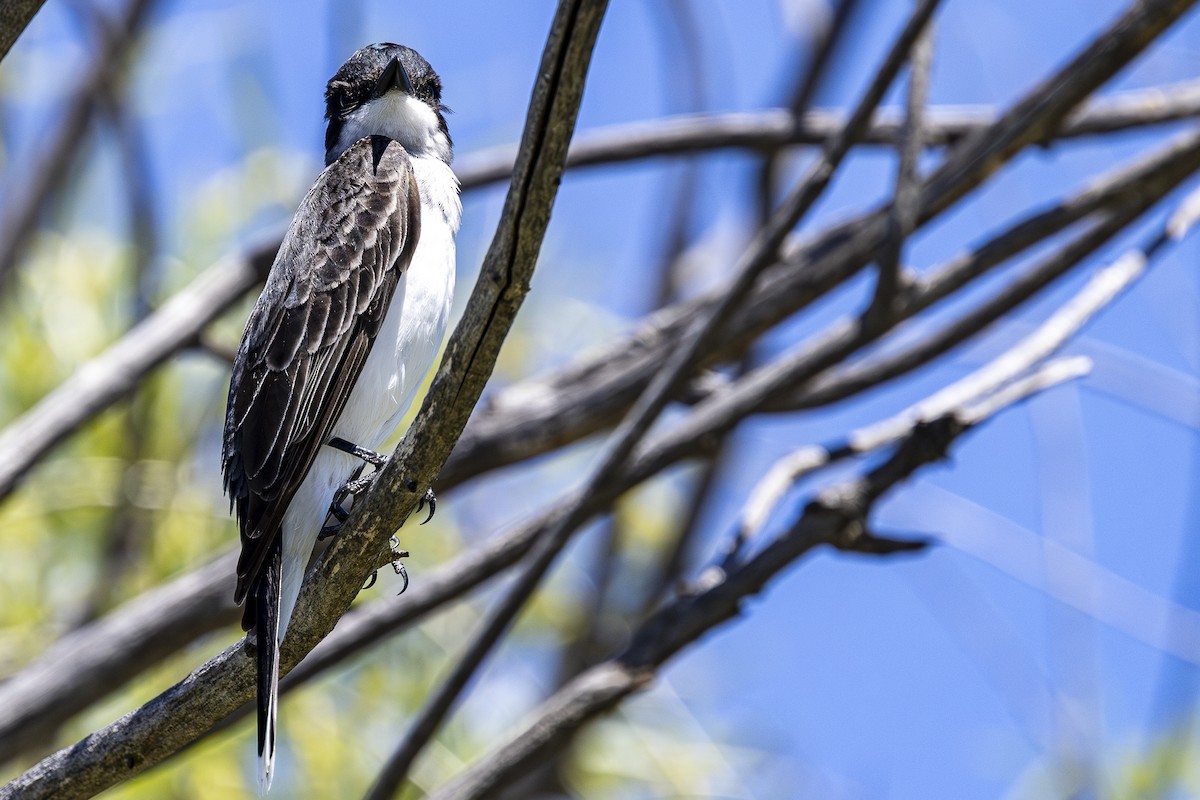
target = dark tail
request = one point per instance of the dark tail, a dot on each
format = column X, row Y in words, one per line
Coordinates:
column 266, row 625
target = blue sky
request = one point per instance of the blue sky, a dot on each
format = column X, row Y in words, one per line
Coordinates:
column 945, row 675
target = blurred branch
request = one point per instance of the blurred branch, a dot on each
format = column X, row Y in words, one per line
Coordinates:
column 774, row 129
column 188, row 710
column 14, row 16
column 906, row 200
column 837, row 517
column 854, row 378
column 88, row 663
column 51, row 167
column 829, row 38
column 128, row 527
column 684, row 76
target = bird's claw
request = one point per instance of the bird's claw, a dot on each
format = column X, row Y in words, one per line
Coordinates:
column 431, row 499
column 398, row 554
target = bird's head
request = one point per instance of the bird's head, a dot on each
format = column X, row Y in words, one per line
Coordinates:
column 387, row 90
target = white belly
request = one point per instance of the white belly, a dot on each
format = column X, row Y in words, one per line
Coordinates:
column 401, row 356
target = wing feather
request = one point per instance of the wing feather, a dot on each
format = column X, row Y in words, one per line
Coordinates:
column 310, row 333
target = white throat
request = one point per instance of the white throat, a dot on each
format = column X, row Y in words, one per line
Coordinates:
column 397, row 116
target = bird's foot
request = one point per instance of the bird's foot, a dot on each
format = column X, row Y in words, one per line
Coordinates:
column 339, row 514
column 369, row 456
column 397, row 554
column 431, row 499
column 353, row 487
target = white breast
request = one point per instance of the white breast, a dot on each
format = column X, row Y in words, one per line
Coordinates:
column 402, row 354
column 416, row 319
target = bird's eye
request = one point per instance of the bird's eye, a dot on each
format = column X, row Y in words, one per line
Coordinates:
column 339, row 102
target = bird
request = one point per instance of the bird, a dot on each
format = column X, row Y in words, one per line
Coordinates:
column 348, row 324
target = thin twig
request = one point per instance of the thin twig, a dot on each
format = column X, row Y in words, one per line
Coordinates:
column 774, row 129
column 832, row 37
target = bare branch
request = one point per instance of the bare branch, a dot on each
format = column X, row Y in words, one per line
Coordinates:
column 829, row 38
column 775, row 129
column 87, row 664
column 971, row 392
column 906, row 199
column 1174, row 163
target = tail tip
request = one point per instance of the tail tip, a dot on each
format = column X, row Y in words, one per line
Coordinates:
column 266, row 772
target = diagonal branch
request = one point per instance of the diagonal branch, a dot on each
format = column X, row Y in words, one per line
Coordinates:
column 1100, row 291
column 112, row 375
column 906, row 199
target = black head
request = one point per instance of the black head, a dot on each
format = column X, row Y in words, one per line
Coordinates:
column 373, row 93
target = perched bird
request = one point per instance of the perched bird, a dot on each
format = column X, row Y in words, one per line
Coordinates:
column 348, row 324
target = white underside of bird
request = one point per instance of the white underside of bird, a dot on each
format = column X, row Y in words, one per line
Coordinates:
column 402, row 354
column 400, row 357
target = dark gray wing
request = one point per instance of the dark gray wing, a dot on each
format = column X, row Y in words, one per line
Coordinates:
column 310, row 332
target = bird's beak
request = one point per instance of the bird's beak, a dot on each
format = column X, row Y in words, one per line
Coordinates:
column 393, row 77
